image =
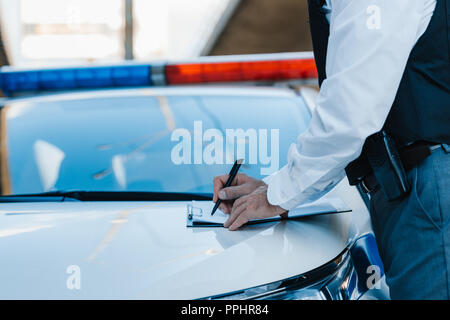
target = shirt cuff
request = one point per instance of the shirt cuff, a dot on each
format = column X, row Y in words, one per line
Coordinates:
column 281, row 190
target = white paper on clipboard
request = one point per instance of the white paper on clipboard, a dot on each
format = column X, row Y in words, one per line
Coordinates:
column 199, row 212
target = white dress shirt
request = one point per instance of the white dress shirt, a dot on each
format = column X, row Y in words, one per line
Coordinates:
column 369, row 45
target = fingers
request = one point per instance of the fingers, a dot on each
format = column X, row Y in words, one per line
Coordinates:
column 226, row 206
column 236, row 211
column 284, row 215
column 219, row 183
column 241, row 202
column 232, row 193
column 242, row 185
column 240, row 221
column 252, row 206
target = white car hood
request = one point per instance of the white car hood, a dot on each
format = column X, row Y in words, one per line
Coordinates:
column 143, row 250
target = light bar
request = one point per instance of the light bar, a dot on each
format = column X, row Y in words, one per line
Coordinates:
column 272, row 70
column 74, row 78
column 235, row 68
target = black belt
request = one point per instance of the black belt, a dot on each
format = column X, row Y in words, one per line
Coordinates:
column 411, row 156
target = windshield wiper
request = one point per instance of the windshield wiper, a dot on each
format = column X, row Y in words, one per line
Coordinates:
column 56, row 196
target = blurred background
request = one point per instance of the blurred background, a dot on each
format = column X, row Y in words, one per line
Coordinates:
column 37, row 33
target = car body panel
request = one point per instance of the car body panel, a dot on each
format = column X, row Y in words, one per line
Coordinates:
column 144, row 250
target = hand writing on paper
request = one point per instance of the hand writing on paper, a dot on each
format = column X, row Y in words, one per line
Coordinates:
column 246, row 199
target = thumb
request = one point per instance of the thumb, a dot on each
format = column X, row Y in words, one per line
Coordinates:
column 235, row 192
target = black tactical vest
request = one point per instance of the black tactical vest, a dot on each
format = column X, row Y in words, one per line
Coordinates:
column 421, row 110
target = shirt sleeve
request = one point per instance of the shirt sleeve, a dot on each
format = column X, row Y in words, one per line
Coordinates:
column 368, row 49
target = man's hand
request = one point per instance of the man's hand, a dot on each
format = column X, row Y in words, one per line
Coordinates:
column 252, row 206
column 242, row 185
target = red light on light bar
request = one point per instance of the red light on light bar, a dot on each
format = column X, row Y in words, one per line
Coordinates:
column 275, row 70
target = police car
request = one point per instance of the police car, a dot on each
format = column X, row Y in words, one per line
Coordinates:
column 94, row 190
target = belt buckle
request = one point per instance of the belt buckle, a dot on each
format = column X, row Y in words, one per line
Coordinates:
column 365, row 188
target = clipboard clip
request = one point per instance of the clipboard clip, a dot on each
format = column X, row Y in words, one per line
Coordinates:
column 193, row 211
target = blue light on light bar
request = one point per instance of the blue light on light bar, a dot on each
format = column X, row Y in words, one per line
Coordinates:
column 12, row 81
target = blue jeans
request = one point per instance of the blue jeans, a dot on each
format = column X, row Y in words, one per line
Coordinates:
column 413, row 234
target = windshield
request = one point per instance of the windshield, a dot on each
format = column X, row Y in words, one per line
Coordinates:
column 144, row 140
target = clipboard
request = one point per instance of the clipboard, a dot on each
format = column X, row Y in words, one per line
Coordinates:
column 198, row 213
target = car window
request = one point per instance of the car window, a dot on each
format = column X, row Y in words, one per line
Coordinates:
column 144, row 142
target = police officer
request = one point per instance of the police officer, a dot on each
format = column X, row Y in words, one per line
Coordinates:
column 382, row 118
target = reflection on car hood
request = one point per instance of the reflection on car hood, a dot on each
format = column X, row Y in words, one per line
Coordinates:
column 143, row 250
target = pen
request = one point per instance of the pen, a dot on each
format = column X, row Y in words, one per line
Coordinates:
column 232, row 174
